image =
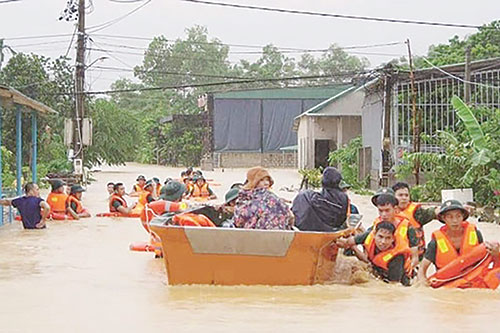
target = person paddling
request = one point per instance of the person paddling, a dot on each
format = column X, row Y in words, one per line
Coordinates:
column 33, row 209
column 453, row 244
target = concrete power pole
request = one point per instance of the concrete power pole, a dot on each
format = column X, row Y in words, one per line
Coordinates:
column 79, row 83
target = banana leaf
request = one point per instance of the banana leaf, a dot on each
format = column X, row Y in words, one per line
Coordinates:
column 472, row 126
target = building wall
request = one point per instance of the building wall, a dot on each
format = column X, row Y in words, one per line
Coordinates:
column 372, row 127
column 249, row 159
column 340, row 130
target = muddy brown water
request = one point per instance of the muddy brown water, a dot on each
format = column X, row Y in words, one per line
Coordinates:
column 80, row 277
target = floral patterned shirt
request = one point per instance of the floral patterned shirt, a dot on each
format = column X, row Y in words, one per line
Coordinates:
column 261, row 209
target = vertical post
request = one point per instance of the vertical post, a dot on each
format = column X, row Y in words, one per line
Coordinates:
column 19, row 148
column 34, row 153
column 261, row 127
column 467, row 75
column 416, row 116
column 1, row 171
column 79, row 84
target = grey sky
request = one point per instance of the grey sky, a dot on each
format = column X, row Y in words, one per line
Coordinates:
column 236, row 26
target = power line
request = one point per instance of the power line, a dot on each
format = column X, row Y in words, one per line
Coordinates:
column 341, row 16
column 105, row 25
column 209, row 84
column 7, row 1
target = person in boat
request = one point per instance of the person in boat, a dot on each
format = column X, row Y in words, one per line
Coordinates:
column 388, row 253
column 345, row 187
column 74, row 205
column 322, row 211
column 201, row 189
column 416, row 214
column 221, row 215
column 189, row 173
column 257, row 207
column 33, row 209
column 147, row 195
column 139, row 187
column 451, row 245
column 117, row 203
column 386, row 203
column 57, row 197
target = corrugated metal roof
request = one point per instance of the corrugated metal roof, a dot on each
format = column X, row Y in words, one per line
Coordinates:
column 321, row 92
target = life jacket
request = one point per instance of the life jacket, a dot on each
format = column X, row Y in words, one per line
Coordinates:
column 194, row 220
column 57, row 202
column 72, row 199
column 409, row 213
column 137, row 188
column 143, row 197
column 445, row 250
column 117, row 198
column 158, row 190
column 401, row 246
column 160, row 207
column 200, row 192
column 471, row 267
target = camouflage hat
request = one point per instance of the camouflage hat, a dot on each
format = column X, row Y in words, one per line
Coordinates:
column 148, row 183
column 343, row 185
column 56, row 183
column 173, row 191
column 449, row 205
column 383, row 191
column 76, row 189
column 140, row 177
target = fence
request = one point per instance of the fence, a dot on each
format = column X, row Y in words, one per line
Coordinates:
column 434, row 90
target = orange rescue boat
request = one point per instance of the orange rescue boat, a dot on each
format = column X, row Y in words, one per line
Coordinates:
column 228, row 256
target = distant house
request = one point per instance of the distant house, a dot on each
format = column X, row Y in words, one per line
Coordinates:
column 328, row 126
column 254, row 127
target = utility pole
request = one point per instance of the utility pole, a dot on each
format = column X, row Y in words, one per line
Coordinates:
column 467, row 75
column 79, row 83
column 416, row 116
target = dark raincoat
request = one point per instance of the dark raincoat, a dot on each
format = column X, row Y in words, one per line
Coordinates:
column 322, row 211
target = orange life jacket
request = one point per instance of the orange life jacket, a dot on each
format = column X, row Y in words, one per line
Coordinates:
column 190, row 219
column 57, row 202
column 401, row 246
column 200, row 192
column 446, row 252
column 72, row 199
column 143, row 197
column 160, row 207
column 117, row 198
column 409, row 213
column 138, row 188
column 471, row 267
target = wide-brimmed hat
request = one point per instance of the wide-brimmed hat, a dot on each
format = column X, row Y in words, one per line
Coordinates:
column 77, row 189
column 140, row 177
column 255, row 175
column 156, row 180
column 56, row 183
column 173, row 191
column 231, row 195
column 148, row 183
column 384, row 191
column 451, row 205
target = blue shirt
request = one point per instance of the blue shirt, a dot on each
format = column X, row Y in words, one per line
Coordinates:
column 29, row 208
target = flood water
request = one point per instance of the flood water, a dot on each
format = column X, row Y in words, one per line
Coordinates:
column 80, row 277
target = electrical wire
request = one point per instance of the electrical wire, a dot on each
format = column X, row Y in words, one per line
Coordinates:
column 341, row 16
column 459, row 78
column 105, row 25
column 7, row 1
column 210, row 84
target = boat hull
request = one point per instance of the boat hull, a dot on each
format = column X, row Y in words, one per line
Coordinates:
column 220, row 256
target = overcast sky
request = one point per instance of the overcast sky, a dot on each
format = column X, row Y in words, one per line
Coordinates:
column 236, row 26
